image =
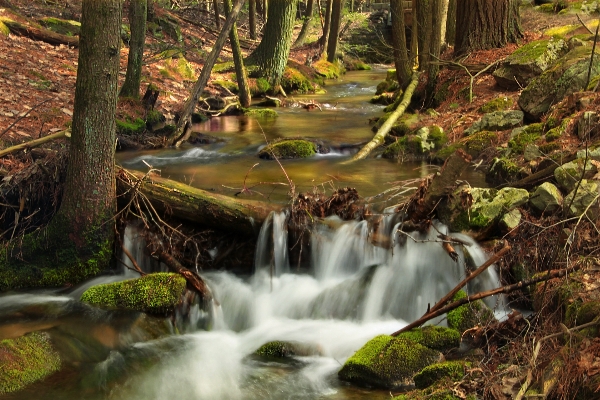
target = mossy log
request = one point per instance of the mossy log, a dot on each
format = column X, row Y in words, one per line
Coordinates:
column 196, row 205
column 43, row 34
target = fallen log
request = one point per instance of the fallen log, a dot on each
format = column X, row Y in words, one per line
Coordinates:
column 187, row 203
column 43, row 34
column 36, row 142
column 379, row 137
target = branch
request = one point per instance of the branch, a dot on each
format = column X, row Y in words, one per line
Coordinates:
column 36, row 142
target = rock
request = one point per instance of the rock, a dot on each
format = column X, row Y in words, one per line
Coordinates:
column 497, row 104
column 156, row 293
column 546, row 198
column 502, row 170
column 582, row 198
column 388, row 362
column 423, row 134
column 510, row 220
column 497, row 121
column 568, row 174
column 25, row 360
column 531, row 152
column 435, row 337
column 566, row 76
column 587, row 125
column 452, row 370
column 592, row 154
column 286, row 349
column 288, row 148
column 528, row 62
column 469, row 315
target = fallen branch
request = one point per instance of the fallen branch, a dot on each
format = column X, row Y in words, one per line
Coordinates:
column 22, row 116
column 36, row 142
column 468, row 71
column 43, row 34
column 379, row 137
column 191, row 277
column 482, row 295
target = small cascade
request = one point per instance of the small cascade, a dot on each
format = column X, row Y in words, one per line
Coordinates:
column 272, row 254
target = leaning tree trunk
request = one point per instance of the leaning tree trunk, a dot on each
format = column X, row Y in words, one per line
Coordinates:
column 138, row 9
column 401, row 59
column 334, row 31
column 77, row 243
column 310, row 6
column 272, row 53
column 238, row 61
column 486, row 24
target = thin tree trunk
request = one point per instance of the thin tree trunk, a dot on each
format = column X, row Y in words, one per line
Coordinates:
column 238, row 61
column 306, row 24
column 326, row 25
column 191, row 102
column 252, row 18
column 444, row 23
column 401, row 59
column 379, row 137
column 451, row 23
column 336, row 21
column 437, row 9
column 217, row 16
column 138, row 10
column 424, row 32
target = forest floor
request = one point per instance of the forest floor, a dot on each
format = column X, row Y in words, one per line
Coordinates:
column 37, row 85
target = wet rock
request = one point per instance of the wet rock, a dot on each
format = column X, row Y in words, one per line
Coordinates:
column 566, row 76
column 546, row 198
column 567, row 175
column 447, row 370
column 388, row 362
column 286, row 349
column 497, row 121
column 289, row 148
column 528, row 62
column 583, row 197
column 469, row 315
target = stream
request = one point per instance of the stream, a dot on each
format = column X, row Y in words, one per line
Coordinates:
column 353, row 291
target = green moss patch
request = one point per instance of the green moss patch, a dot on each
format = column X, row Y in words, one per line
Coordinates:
column 154, row 293
column 288, row 148
column 452, row 370
column 469, row 315
column 62, row 26
column 328, row 70
column 25, row 360
column 497, row 104
column 526, row 136
column 435, row 337
column 295, row 81
column 285, row 349
column 260, row 113
column 128, row 127
column 478, row 142
column 387, row 362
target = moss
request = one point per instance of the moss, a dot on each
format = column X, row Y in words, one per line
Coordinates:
column 229, row 85
column 185, row 69
column 525, row 137
column 154, row 117
column 154, row 293
column 295, row 81
column 388, row 362
column 258, row 86
column 435, row 337
column 479, row 142
column 127, row 128
column 170, row 27
column 579, row 313
column 497, row 104
column 327, row 69
column 62, row 26
column 502, row 170
column 171, row 53
column 4, row 31
column 224, row 67
column 437, row 136
column 260, row 113
column 557, row 130
column 289, row 148
column 548, row 148
column 25, row 360
column 452, row 370
column 468, row 315
column 442, row 155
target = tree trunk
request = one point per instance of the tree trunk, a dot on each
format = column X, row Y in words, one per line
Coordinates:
column 444, row 21
column 306, row 24
column 336, row 21
column 252, row 18
column 486, row 24
column 265, row 10
column 191, row 102
column 326, row 24
column 451, row 23
column 238, row 61
column 401, row 59
column 138, row 10
column 272, row 53
column 217, row 16
column 424, row 32
column 437, row 10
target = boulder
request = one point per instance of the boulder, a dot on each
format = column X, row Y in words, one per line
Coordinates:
column 435, row 337
column 469, row 315
column 497, row 121
column 528, row 62
column 452, row 370
column 510, row 220
column 566, row 76
column 278, row 349
column 388, row 362
column 546, row 198
column 582, row 198
column 158, row 293
column 288, row 148
column 568, row 174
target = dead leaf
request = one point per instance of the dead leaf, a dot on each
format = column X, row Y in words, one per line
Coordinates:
column 67, row 111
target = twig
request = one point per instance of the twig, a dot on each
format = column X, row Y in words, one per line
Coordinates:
column 584, row 25
column 589, row 74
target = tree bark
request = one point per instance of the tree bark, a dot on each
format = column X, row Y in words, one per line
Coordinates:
column 238, row 61
column 424, row 32
column 379, row 137
column 217, row 16
column 326, row 24
column 310, row 6
column 336, row 21
column 437, row 10
column 252, row 18
column 192, row 101
column 401, row 59
column 451, row 23
column 486, row 24
column 138, row 10
column 272, row 53
column 198, row 206
column 42, row 34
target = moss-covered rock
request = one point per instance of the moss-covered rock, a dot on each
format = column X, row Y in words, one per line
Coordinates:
column 556, row 130
column 170, row 27
column 388, row 362
column 579, row 313
column 525, row 136
column 528, row 62
column 469, row 315
column 285, row 349
column 288, row 148
column 546, row 198
column 496, row 121
column 502, row 170
column 447, row 370
column 568, row 174
column 129, row 128
column 295, row 81
column 25, row 360
column 258, row 86
column 479, row 142
column 435, row 337
column 154, row 293
column 497, row 104
column 62, row 26
column 260, row 113
column 4, row 31
column 583, row 199
column 328, row 70
column 442, row 155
